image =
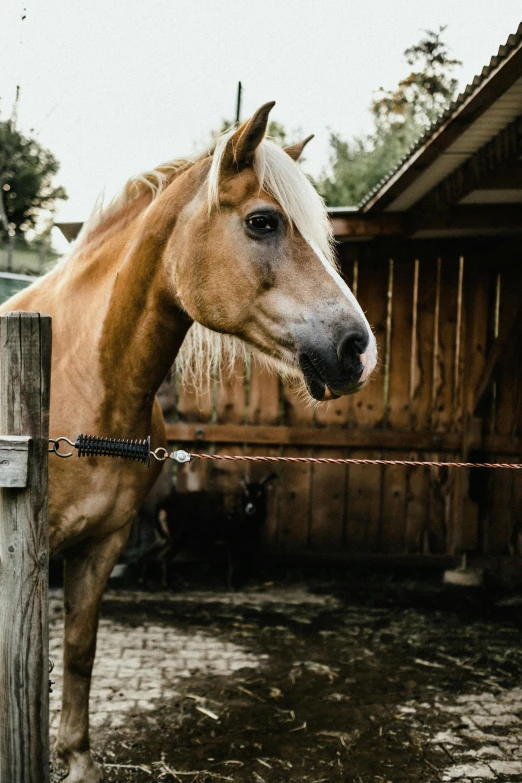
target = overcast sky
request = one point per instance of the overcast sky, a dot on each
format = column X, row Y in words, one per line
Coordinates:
column 113, row 87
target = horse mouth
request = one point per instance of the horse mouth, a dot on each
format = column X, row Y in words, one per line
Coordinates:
column 317, row 387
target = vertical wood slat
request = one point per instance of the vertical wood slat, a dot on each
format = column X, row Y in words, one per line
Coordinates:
column 516, row 539
column 363, row 505
column 416, row 518
column 364, row 497
column 392, row 536
column 444, row 351
column 294, row 508
column 328, row 501
column 422, row 360
column 506, row 402
column 401, row 345
column 502, row 518
column 372, row 287
column 230, row 408
column 417, row 481
column 25, row 366
column 264, row 403
column 296, row 486
column 328, row 507
column 475, row 306
column 265, row 408
column 443, row 412
column 230, row 404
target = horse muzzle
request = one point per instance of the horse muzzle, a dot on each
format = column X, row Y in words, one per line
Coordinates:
column 332, row 370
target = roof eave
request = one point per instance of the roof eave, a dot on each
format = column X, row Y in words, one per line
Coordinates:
column 500, row 76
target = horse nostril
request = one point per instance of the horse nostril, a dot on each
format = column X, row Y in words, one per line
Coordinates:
column 352, row 346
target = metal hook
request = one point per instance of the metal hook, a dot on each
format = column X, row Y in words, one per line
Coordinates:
column 160, row 457
column 56, row 447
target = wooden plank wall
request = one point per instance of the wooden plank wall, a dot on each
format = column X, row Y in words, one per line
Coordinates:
column 434, row 308
column 500, row 514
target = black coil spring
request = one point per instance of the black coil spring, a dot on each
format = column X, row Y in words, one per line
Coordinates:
column 93, row 446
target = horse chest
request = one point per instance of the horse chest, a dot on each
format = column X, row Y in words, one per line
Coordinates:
column 88, row 499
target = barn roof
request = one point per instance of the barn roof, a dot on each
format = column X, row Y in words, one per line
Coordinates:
column 481, row 111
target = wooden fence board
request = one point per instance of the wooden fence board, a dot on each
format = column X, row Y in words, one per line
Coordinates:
column 25, row 371
column 439, row 506
column 442, row 414
column 392, row 536
column 322, row 436
column 516, row 533
column 373, row 296
column 422, row 361
column 364, row 506
column 298, row 408
column 264, row 398
column 500, row 518
column 195, row 405
column 416, row 537
column 475, row 304
column 294, row 509
column 230, row 399
column 328, row 501
column 401, row 345
column 507, row 415
column 14, row 460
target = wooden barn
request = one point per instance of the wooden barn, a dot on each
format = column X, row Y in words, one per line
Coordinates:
column 434, row 256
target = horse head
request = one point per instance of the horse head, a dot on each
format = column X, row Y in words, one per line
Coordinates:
column 257, row 262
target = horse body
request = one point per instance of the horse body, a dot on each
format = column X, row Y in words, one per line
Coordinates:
column 223, row 244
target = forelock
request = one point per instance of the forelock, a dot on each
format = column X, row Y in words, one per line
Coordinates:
column 285, row 181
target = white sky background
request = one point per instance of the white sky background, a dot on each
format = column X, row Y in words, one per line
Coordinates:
column 113, row 87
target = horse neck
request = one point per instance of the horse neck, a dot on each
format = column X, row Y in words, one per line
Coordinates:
column 144, row 325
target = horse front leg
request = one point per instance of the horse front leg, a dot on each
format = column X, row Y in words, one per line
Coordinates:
column 86, row 575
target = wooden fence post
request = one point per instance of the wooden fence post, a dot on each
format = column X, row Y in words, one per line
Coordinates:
column 25, row 367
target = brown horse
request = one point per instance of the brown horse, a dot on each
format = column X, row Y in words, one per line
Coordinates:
column 237, row 241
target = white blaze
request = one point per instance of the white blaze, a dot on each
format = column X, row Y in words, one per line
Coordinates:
column 369, row 358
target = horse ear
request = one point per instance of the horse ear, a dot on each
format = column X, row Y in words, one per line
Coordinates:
column 295, row 150
column 242, row 145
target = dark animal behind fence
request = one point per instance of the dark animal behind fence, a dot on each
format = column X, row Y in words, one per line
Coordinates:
column 211, row 527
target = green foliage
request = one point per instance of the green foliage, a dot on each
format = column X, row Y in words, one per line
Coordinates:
column 400, row 116
column 26, row 173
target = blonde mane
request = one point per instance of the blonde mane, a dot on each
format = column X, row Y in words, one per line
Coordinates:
column 154, row 182
column 204, row 352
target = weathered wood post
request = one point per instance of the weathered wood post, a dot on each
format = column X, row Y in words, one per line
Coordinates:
column 25, row 368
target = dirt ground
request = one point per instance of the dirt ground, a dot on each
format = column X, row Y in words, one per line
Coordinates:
column 366, row 677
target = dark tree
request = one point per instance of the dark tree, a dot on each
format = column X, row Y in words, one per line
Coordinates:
column 26, row 173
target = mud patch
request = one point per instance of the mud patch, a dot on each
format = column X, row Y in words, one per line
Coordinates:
column 366, row 679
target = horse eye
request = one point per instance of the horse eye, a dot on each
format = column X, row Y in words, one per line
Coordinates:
column 262, row 223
